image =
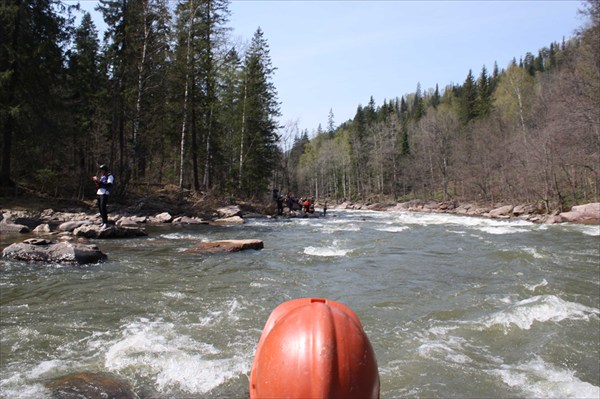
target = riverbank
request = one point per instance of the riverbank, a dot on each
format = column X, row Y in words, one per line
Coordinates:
column 171, row 206
column 587, row 213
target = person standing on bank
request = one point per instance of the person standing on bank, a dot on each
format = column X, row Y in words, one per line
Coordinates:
column 104, row 184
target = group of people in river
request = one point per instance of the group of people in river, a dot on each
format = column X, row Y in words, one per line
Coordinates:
column 306, row 204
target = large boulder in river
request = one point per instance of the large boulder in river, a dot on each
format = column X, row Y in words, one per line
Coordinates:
column 42, row 250
column 230, row 220
column 229, row 211
column 164, row 217
column 110, row 231
column 90, row 386
column 588, row 213
column 225, row 246
column 72, row 225
column 131, row 221
column 501, row 212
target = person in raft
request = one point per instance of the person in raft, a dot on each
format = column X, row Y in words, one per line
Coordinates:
column 104, row 184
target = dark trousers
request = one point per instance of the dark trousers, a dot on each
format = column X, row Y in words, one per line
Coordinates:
column 102, row 203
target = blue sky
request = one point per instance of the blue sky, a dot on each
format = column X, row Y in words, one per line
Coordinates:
column 337, row 54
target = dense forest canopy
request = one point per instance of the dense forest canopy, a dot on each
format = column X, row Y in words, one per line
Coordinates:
column 166, row 97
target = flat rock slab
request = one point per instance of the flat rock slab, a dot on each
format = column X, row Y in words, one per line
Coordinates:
column 95, row 231
column 13, row 228
column 40, row 250
column 90, row 386
column 225, row 246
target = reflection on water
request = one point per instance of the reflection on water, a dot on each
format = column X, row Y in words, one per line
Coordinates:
column 445, row 301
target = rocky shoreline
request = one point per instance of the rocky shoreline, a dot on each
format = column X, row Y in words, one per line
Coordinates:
column 585, row 214
column 63, row 237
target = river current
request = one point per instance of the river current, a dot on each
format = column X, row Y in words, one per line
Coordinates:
column 453, row 306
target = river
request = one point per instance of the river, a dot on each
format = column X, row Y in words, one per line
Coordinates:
column 453, row 306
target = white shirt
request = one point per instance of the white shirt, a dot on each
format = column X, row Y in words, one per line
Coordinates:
column 106, row 179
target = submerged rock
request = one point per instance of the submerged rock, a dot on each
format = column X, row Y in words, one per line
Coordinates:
column 226, row 246
column 87, row 385
column 41, row 250
column 110, row 231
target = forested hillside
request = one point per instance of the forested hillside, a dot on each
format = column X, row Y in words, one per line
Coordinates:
column 526, row 133
column 166, row 97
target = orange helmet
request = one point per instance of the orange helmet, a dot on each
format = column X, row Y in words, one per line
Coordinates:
column 314, row 348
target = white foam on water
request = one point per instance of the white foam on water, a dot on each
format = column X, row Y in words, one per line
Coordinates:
column 332, row 228
column 449, row 348
column 15, row 388
column 183, row 236
column 175, row 362
column 533, row 287
column 45, row 367
column 174, row 294
column 393, row 229
column 325, row 251
column 449, row 219
column 587, row 229
column 24, row 384
column 210, row 319
column 501, row 230
column 533, row 252
column 540, row 379
column 196, row 375
column 542, row 308
column 234, row 309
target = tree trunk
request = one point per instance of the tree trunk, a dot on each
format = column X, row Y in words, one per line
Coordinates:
column 241, row 169
column 186, row 98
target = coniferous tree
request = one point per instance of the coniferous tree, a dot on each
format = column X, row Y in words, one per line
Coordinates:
column 118, row 62
column 31, row 69
column 435, row 98
column 213, row 53
column 405, row 147
column 260, row 110
column 418, row 107
column 484, row 94
column 330, row 123
column 85, row 86
column 468, row 95
column 230, row 115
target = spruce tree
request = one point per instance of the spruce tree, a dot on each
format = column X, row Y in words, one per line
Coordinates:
column 260, row 111
column 468, row 99
column 484, row 94
column 435, row 99
column 405, row 147
column 85, row 103
column 330, row 123
column 418, row 108
column 32, row 61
